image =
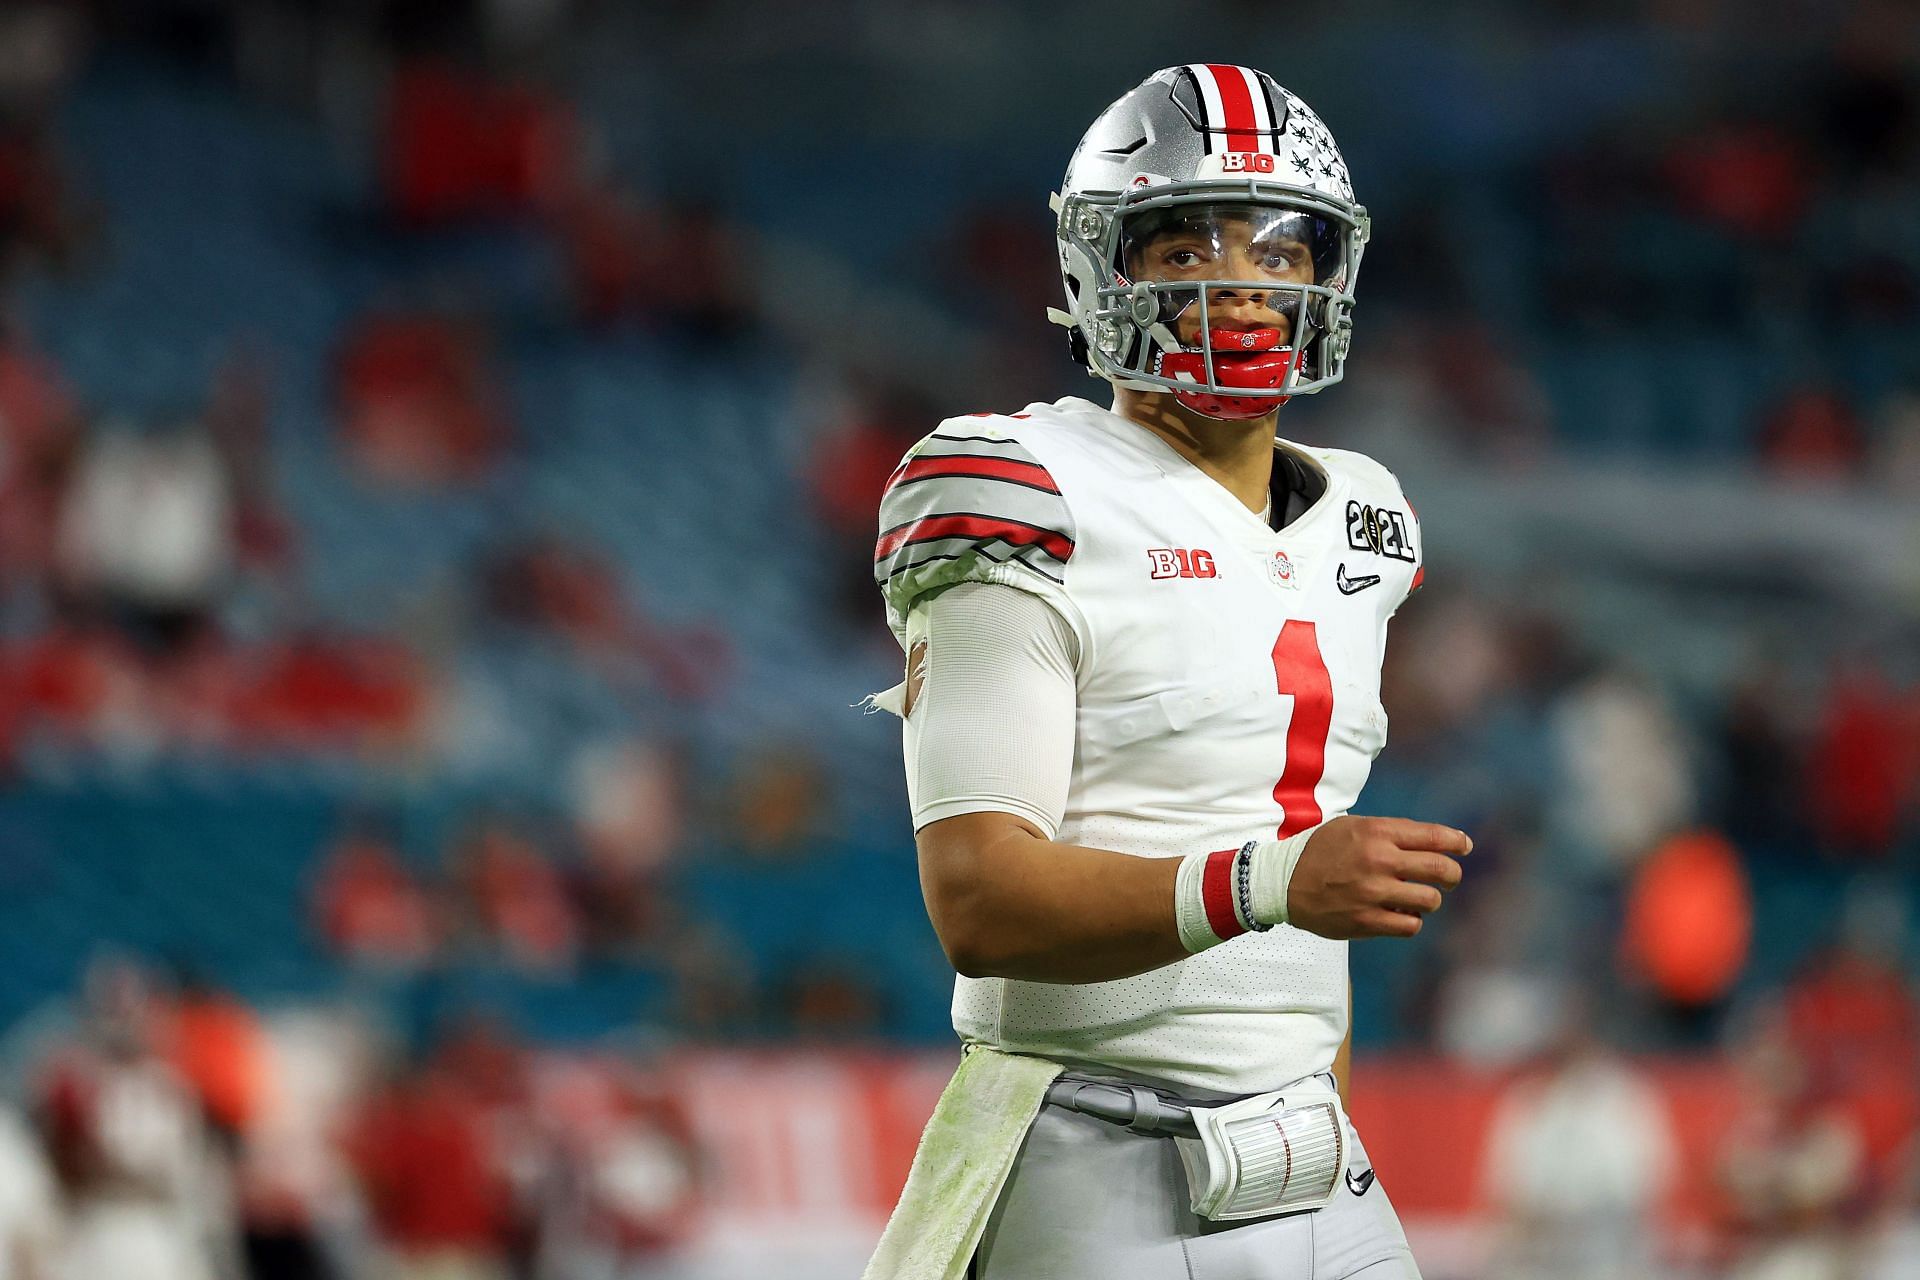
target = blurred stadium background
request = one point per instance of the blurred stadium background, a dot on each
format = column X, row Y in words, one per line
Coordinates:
column 439, row 445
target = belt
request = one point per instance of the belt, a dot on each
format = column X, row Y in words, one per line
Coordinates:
column 1135, row 1107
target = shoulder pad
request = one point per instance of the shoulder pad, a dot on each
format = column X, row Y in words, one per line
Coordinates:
column 966, row 500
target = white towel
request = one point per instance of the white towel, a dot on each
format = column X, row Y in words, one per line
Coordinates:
column 963, row 1161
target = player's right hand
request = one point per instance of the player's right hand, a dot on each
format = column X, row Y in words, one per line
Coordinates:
column 1374, row 877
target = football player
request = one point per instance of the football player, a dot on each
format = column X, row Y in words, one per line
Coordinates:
column 1143, row 668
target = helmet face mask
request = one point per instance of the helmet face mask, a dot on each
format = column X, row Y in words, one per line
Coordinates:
column 1182, row 264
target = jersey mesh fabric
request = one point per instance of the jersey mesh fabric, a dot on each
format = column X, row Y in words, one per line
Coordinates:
column 992, row 727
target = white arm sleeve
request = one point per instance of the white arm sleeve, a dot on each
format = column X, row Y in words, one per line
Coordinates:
column 992, row 728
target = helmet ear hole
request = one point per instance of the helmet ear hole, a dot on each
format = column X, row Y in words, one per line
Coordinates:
column 1077, row 347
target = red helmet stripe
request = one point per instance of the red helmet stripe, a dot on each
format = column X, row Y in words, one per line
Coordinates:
column 1236, row 105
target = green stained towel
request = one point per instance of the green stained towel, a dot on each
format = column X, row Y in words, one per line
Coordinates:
column 963, row 1161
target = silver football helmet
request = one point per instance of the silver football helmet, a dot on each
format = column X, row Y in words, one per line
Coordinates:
column 1209, row 243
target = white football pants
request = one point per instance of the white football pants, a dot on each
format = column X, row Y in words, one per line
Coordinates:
column 1087, row 1200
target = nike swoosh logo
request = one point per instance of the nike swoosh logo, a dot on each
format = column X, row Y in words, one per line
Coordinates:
column 1360, row 1185
column 1350, row 585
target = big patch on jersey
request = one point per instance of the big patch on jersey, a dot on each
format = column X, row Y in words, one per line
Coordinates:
column 961, row 504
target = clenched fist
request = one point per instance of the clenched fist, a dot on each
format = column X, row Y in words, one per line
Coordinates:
column 1374, row 877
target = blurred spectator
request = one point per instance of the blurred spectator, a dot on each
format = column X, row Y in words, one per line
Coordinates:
column 319, row 692
column 1852, row 1017
column 146, row 531
column 143, row 1196
column 239, row 405
column 1812, row 435
column 514, row 899
column 38, row 433
column 79, row 683
column 627, row 818
column 778, row 805
column 1763, row 805
column 42, row 221
column 29, row 1204
column 1628, row 777
column 1579, row 1154
column 848, row 471
column 624, row 1189
column 216, row 1046
column 368, row 906
column 610, row 241
column 551, row 584
column 674, row 268
column 294, row 1185
column 829, row 1000
column 41, row 46
column 1497, row 1004
column 1864, row 764
column 1688, row 927
column 420, row 403
column 219, row 1048
column 1746, row 178
column 309, row 693
column 714, row 994
column 1453, row 660
column 1794, row 1168
column 459, row 146
column 1852, row 1014
column 440, row 1205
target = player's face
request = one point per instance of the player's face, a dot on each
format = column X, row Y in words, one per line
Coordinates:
column 1252, row 249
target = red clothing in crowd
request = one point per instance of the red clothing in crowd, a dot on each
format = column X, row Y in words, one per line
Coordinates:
column 369, row 908
column 1864, row 766
column 460, row 146
column 418, row 402
column 216, row 1044
column 429, row 1175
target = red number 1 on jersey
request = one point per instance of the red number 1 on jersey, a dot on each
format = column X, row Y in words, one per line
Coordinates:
column 1298, row 669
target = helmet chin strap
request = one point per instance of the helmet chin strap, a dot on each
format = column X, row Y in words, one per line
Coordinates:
column 1249, row 359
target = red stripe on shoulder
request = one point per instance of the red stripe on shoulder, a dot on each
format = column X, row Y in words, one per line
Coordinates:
column 973, row 466
column 1056, row 544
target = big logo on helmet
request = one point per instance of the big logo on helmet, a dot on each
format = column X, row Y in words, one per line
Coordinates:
column 1246, row 162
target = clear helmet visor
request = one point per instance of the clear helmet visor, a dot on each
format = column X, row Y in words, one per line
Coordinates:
column 1255, row 265
column 1223, row 240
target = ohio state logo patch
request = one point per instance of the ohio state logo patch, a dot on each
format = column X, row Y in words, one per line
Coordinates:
column 1282, row 573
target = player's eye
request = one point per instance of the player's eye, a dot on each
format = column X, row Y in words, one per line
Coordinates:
column 1183, row 258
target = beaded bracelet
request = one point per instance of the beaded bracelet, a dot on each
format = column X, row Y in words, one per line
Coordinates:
column 1243, row 886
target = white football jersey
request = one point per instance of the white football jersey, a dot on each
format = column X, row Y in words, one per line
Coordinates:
column 1228, row 690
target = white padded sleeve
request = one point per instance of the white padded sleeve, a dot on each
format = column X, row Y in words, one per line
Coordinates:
column 993, row 726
